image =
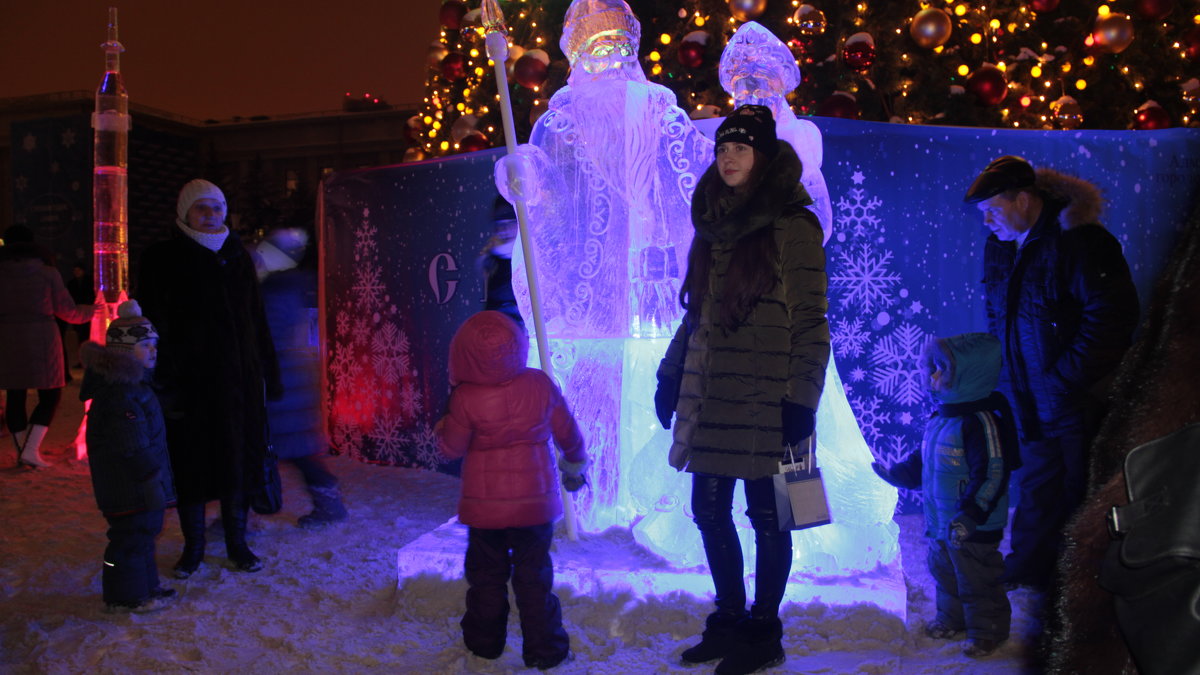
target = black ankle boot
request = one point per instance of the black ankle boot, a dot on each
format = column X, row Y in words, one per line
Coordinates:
column 759, row 645
column 717, row 640
column 233, row 516
column 191, row 522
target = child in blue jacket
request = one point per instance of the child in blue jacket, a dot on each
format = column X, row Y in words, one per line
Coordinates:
column 127, row 454
column 968, row 451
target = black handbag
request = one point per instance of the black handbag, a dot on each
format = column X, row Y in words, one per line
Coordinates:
column 269, row 497
column 1153, row 566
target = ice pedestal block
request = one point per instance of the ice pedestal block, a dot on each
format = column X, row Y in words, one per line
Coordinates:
column 611, row 562
column 609, row 384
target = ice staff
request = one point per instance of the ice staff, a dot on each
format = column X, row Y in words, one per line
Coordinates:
column 497, row 51
column 110, row 194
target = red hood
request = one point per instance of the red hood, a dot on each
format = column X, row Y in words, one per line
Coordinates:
column 489, row 348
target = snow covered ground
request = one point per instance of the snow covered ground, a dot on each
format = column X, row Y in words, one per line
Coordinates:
column 330, row 601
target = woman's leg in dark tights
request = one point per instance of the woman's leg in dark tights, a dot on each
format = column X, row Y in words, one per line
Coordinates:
column 773, row 549
column 712, row 509
column 47, row 405
column 15, row 415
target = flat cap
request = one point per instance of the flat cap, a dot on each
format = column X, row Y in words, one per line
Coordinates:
column 1004, row 173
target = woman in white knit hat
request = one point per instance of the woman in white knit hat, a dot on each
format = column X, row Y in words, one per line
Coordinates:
column 215, row 359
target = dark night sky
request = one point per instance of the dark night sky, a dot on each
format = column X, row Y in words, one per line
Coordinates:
column 223, row 58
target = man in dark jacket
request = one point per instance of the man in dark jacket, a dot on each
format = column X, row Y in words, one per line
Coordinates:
column 1061, row 300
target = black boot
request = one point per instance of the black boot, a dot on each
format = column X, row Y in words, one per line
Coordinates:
column 233, row 517
column 191, row 522
column 759, row 646
column 717, row 640
column 327, row 507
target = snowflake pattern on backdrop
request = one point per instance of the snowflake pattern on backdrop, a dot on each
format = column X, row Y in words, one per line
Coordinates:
column 371, row 393
column 881, row 356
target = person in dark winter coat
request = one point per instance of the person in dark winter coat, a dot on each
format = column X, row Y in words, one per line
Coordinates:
column 496, row 262
column 1061, row 300
column 502, row 418
column 32, row 295
column 754, row 346
column 962, row 468
column 289, row 290
column 216, row 356
column 127, row 454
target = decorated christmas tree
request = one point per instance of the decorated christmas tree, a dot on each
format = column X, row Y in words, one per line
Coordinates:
column 1042, row 64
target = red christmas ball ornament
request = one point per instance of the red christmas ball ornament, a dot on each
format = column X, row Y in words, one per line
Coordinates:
column 1151, row 116
column 839, row 104
column 1044, row 5
column 859, row 51
column 1191, row 43
column 451, row 14
column 454, row 66
column 1154, row 10
column 529, row 71
column 691, row 54
column 473, row 142
column 988, row 85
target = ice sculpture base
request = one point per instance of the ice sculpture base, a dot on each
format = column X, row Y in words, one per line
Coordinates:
column 612, row 561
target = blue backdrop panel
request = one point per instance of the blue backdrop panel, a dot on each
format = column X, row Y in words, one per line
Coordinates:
column 904, row 264
column 399, row 250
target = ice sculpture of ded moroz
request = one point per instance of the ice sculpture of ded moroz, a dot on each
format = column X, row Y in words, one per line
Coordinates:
column 607, row 177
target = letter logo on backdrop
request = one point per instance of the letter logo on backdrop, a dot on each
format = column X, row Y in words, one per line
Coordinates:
column 438, row 281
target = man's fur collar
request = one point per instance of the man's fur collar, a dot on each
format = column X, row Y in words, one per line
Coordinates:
column 1081, row 200
column 778, row 189
column 114, row 365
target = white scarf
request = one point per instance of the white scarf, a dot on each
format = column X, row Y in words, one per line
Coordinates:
column 212, row 242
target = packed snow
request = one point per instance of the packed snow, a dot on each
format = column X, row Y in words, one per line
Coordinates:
column 330, row 601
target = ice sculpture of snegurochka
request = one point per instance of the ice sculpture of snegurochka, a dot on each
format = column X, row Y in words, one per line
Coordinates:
column 607, row 177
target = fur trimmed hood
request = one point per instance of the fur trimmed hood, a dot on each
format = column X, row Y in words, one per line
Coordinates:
column 114, row 365
column 1080, row 200
column 778, row 190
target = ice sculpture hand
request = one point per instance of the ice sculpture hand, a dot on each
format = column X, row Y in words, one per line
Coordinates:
column 519, row 175
column 798, row 422
column 961, row 528
column 666, row 397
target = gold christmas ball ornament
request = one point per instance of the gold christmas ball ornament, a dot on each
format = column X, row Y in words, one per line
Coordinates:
column 1067, row 113
column 747, row 10
column 810, row 21
column 1113, row 32
column 930, row 28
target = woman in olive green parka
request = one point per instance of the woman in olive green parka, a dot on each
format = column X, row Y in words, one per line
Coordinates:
column 745, row 371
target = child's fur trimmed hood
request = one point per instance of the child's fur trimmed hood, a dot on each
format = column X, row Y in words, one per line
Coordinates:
column 114, row 365
column 1082, row 199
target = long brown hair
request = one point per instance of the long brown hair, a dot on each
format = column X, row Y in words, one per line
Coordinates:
column 753, row 264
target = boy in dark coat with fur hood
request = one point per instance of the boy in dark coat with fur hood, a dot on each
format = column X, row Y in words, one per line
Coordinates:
column 127, row 452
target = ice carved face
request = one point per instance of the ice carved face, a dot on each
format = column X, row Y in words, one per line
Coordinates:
column 609, row 51
column 757, row 68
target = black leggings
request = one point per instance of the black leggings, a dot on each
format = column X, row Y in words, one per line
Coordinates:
column 43, row 412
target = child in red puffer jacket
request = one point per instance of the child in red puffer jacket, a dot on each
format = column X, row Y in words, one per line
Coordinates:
column 502, row 418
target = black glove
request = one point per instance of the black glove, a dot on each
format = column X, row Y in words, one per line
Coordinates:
column 882, row 471
column 573, row 481
column 798, row 422
column 961, row 528
column 666, row 397
column 153, row 497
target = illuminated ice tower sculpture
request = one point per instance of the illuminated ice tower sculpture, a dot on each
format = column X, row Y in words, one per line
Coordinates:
column 110, row 195
column 110, row 188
